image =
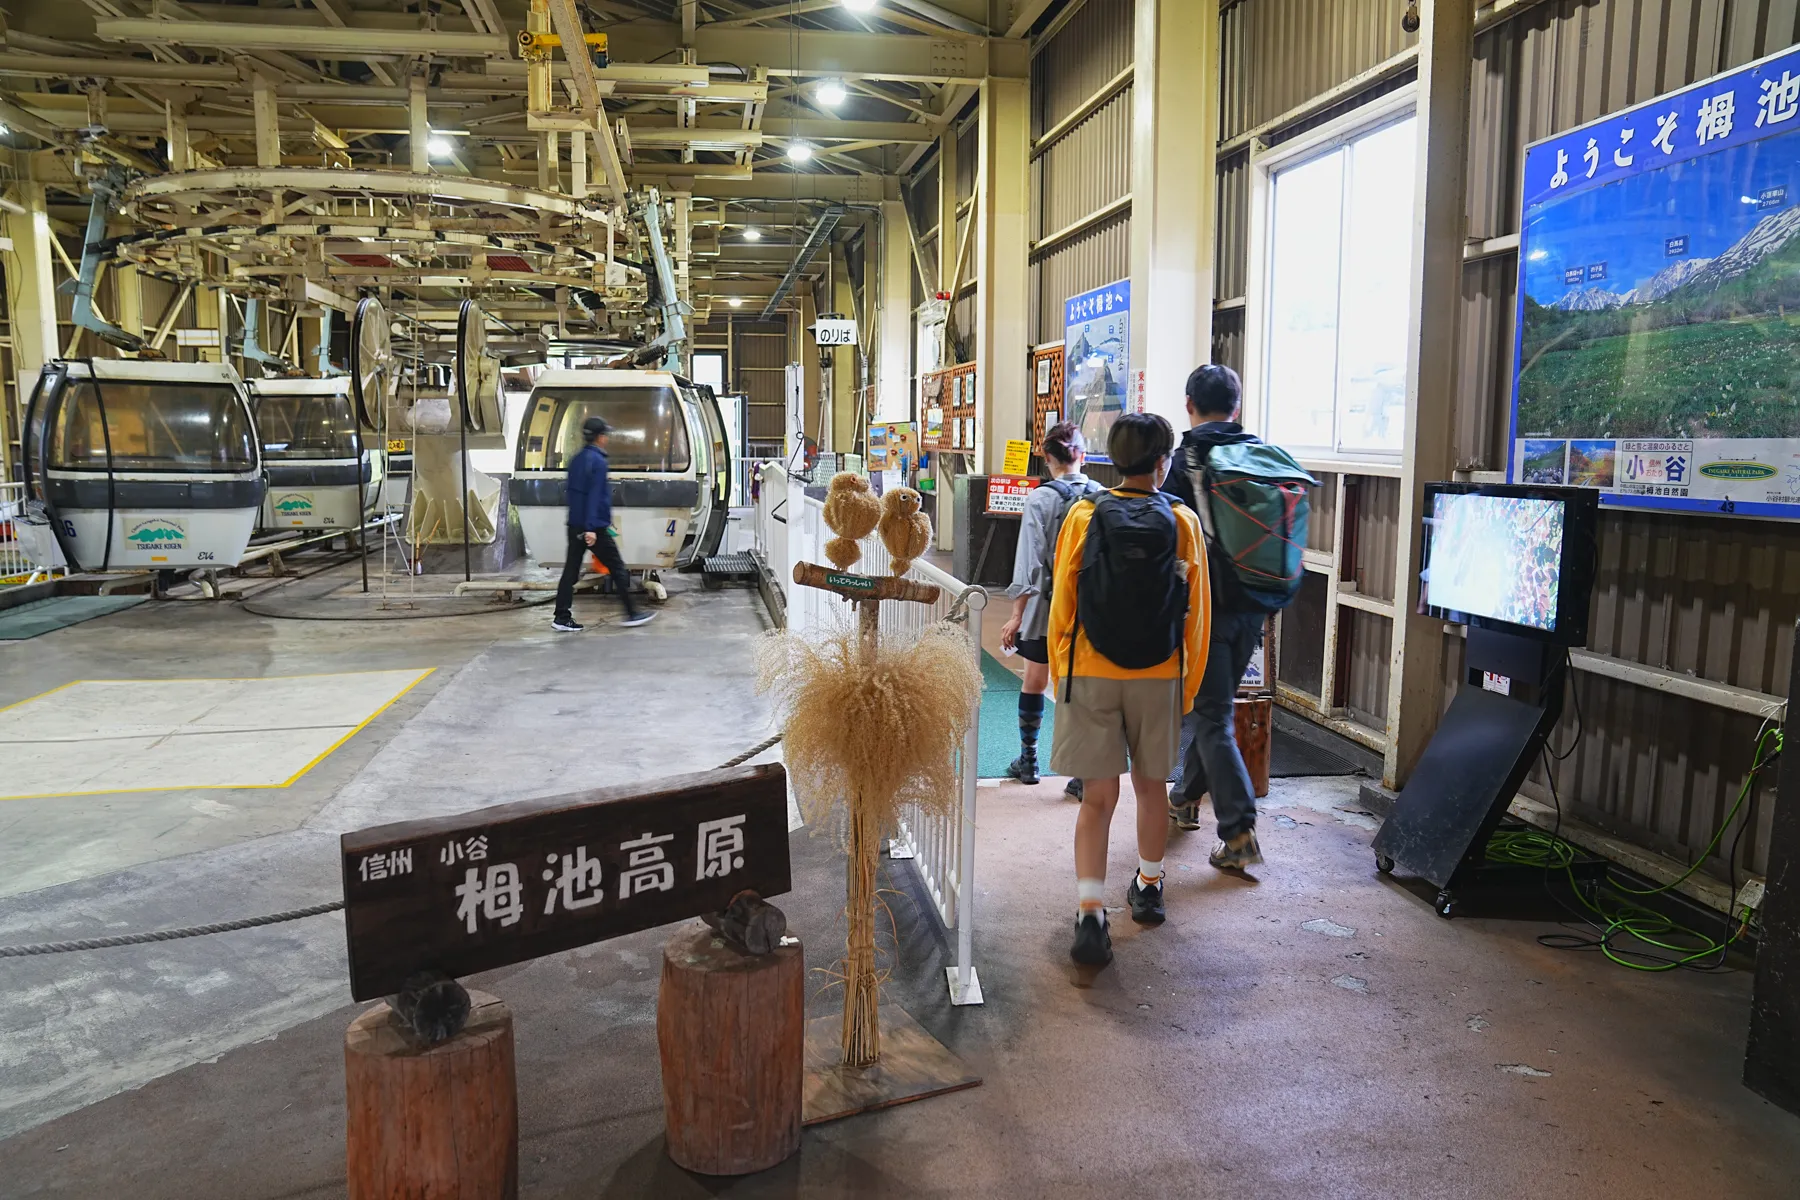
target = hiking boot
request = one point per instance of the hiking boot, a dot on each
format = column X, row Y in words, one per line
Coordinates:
column 1023, row 769
column 566, row 625
column 1146, row 902
column 1073, row 789
column 638, row 618
column 1237, row 853
column 1185, row 816
column 1093, row 942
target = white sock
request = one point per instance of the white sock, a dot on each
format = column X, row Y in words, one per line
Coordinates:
column 1149, row 872
column 1089, row 895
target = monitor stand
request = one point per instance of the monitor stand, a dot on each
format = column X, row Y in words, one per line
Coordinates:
column 1484, row 746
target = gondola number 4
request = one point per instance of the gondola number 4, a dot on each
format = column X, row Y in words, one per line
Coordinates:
column 671, row 530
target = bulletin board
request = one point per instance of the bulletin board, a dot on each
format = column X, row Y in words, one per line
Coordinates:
column 1046, row 379
column 949, row 404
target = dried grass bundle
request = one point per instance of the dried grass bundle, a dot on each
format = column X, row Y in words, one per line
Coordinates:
column 879, row 724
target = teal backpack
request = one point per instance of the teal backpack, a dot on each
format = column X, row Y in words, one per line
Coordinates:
column 1255, row 507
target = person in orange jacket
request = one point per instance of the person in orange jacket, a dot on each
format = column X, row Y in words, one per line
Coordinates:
column 1128, row 641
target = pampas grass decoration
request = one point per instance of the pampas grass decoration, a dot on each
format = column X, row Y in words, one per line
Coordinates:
column 851, row 511
column 867, row 730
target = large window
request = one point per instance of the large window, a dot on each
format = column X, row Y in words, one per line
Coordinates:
column 163, row 426
column 648, row 430
column 1337, row 284
column 299, row 426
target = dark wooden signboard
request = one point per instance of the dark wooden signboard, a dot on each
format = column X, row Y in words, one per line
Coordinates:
column 501, row 885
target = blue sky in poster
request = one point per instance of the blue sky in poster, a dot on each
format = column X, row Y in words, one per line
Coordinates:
column 1626, row 225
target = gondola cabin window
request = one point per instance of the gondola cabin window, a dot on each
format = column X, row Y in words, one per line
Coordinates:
column 189, row 427
column 648, row 430
column 303, row 426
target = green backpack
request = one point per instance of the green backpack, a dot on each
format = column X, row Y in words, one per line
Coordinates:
column 1255, row 507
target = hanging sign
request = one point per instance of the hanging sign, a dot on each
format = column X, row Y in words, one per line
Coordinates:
column 501, row 885
column 1097, row 361
column 1656, row 289
column 832, row 332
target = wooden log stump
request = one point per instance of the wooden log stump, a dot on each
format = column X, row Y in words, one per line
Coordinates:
column 1254, row 717
column 732, row 1030
column 432, row 1122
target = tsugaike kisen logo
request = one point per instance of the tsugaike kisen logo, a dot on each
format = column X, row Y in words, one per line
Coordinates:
column 158, row 533
column 293, row 502
column 1738, row 470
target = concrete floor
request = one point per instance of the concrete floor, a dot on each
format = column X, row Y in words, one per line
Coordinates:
column 1315, row 1032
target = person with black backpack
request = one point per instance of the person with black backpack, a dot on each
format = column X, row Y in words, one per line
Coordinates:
column 1252, row 501
column 1065, row 452
column 1127, row 641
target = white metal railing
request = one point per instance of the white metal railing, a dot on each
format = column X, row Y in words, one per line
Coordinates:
column 28, row 549
column 941, row 846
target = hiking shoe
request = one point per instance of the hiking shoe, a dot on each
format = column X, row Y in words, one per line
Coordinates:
column 1093, row 942
column 1073, row 789
column 1146, row 902
column 1238, row 853
column 638, row 618
column 1023, row 769
column 566, row 625
column 1185, row 816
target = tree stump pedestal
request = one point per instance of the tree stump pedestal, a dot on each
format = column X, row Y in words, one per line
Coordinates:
column 432, row 1122
column 732, row 1030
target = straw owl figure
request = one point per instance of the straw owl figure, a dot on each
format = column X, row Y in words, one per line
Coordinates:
column 905, row 531
column 851, row 511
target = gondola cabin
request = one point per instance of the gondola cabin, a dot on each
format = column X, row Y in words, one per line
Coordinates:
column 324, row 472
column 144, row 465
column 668, row 460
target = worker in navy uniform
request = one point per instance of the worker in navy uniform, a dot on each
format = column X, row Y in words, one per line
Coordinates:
column 590, row 529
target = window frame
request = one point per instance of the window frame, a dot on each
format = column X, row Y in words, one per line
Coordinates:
column 1265, row 164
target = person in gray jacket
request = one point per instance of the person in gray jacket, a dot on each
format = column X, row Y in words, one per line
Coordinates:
column 1033, row 566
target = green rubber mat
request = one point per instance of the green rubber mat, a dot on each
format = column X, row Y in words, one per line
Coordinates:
column 58, row 612
column 1000, row 722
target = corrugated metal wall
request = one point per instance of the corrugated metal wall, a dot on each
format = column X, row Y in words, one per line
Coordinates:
column 1706, row 596
column 1088, row 167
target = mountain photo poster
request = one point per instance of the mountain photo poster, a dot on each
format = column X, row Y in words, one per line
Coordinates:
column 1658, row 335
column 1097, row 361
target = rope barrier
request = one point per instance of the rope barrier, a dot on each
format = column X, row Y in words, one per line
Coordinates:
column 191, row 931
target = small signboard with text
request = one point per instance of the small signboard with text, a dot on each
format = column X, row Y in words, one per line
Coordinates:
column 486, row 889
column 828, row 331
column 1018, row 456
column 1006, row 494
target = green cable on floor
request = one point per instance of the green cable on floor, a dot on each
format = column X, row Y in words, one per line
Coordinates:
column 1616, row 913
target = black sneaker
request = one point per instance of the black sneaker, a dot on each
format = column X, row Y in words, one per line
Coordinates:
column 1073, row 789
column 1185, row 816
column 566, row 625
column 1146, row 902
column 1023, row 769
column 1093, row 942
column 641, row 617
column 1235, row 855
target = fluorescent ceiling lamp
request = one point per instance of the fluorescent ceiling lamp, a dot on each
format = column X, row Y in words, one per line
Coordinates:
column 736, row 302
column 753, row 234
column 800, row 152
column 440, row 147
column 860, row 5
column 831, row 93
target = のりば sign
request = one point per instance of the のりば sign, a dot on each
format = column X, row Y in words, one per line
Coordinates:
column 501, row 885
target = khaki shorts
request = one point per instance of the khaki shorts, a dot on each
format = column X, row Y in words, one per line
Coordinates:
column 1107, row 724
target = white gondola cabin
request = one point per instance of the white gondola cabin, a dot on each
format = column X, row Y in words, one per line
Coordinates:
column 324, row 472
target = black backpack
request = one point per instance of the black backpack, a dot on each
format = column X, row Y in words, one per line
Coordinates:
column 1130, row 596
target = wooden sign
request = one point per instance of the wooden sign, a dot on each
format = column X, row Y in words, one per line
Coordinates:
column 501, row 885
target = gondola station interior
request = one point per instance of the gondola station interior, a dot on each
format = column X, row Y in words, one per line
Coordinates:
column 899, row 597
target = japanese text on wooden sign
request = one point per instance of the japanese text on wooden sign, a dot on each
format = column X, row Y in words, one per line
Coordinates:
column 481, row 890
column 1006, row 494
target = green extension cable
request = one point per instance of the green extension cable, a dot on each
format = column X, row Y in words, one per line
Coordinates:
column 1610, row 903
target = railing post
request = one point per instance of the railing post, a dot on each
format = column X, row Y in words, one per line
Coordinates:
column 965, row 984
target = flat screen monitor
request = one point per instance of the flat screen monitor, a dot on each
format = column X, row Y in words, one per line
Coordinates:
column 1510, row 557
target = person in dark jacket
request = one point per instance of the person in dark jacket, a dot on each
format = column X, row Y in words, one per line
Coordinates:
column 1213, row 763
column 590, row 529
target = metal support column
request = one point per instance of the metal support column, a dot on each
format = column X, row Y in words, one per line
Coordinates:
column 31, row 272
column 418, row 125
column 893, row 395
column 1446, row 48
column 267, row 120
column 1002, row 250
column 1175, row 130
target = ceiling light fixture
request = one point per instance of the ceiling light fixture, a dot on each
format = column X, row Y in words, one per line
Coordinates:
column 832, row 93
column 736, row 302
column 440, row 146
column 800, row 152
column 861, row 6
column 753, row 234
